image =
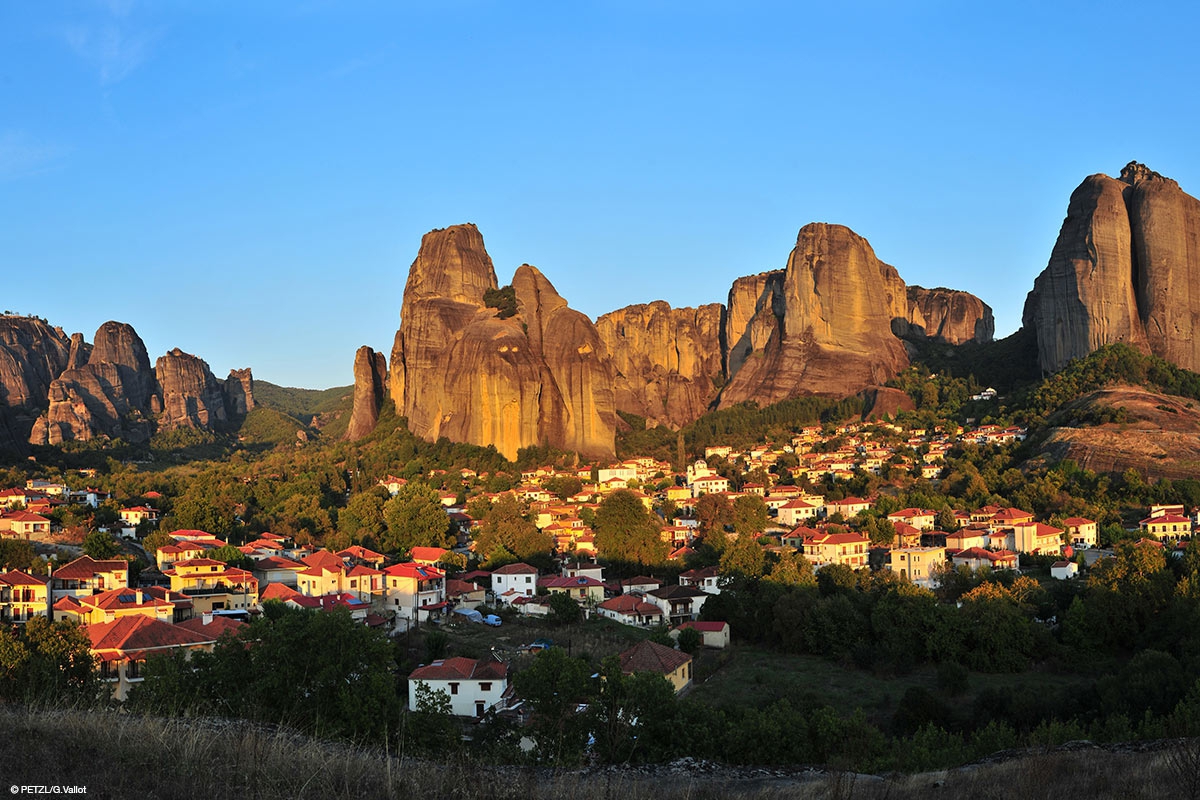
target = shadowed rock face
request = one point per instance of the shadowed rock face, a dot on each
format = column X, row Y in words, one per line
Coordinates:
column 32, row 355
column 239, row 392
column 667, row 361
column 458, row 370
column 191, row 396
column 1125, row 268
column 832, row 327
column 949, row 316
column 370, row 388
column 109, row 389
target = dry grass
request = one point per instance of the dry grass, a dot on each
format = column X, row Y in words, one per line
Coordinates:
column 117, row 755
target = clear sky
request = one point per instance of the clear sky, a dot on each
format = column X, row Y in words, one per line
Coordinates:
column 250, row 181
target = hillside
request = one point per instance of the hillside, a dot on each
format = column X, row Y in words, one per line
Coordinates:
column 303, row 404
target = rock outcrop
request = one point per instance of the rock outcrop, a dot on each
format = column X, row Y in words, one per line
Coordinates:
column 667, row 361
column 239, row 392
column 190, row 395
column 110, row 395
column 947, row 315
column 1125, row 268
column 370, row 389
column 108, row 389
column 486, row 376
column 834, row 336
column 755, row 314
column 32, row 355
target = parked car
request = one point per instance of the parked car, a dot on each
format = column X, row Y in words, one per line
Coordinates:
column 493, row 620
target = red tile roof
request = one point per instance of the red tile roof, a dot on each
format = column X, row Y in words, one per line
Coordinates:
column 520, row 568
column 86, row 567
column 647, row 656
column 460, row 668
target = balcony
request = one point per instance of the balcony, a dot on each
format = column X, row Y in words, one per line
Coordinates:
column 220, row 588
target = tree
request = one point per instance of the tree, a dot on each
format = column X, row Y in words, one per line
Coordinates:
column 157, row 540
column 363, row 515
column 792, row 570
column 626, row 531
column 563, row 609
column 100, row 546
column 690, row 640
column 16, row 554
column 47, row 661
column 713, row 513
column 745, row 557
column 554, row 685
column 749, row 515
column 507, row 524
column 415, row 517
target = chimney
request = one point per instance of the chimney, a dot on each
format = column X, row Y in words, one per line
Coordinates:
column 206, row 618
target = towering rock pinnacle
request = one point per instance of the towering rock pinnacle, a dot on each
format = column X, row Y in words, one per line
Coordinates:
column 239, row 392
column 1125, row 268
column 191, row 395
column 831, row 332
column 478, row 374
column 370, row 386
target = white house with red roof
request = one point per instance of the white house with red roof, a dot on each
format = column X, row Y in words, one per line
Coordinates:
column 1083, row 532
column 24, row 524
column 848, row 548
column 1037, row 537
column 710, row 484
column 85, row 576
column 795, row 511
column 213, row 585
column 920, row 518
column 514, row 580
column 848, row 506
column 414, row 592
column 921, row 565
column 472, row 687
column 977, row 557
column 706, row 579
column 631, row 609
column 112, row 605
column 712, row 633
column 1168, row 527
column 582, row 589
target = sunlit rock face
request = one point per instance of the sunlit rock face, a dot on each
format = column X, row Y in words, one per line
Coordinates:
column 1125, row 268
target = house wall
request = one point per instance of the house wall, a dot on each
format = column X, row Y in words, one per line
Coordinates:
column 464, row 697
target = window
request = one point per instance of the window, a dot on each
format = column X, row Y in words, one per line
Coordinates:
column 528, row 579
column 453, row 688
column 486, row 686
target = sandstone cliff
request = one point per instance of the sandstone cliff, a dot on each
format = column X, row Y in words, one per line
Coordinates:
column 459, row 370
column 949, row 316
column 1124, row 269
column 667, row 361
column 239, row 392
column 834, row 335
column 189, row 395
column 755, row 314
column 110, row 395
column 32, row 355
column 370, row 387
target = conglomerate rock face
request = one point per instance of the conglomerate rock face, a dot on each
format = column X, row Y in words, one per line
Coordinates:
column 518, row 367
column 667, row 361
column 1125, row 268
column 948, row 315
column 191, row 396
column 239, row 392
column 834, row 336
column 479, row 374
column 370, row 389
column 32, row 355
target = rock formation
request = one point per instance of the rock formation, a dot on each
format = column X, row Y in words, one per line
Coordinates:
column 108, row 389
column 834, row 335
column 755, row 313
column 370, row 387
column 1125, row 268
column 947, row 315
column 32, row 355
column 668, row 361
column 189, row 395
column 462, row 371
column 110, row 395
column 239, row 392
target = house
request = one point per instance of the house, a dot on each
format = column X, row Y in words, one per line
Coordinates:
column 918, row 564
column 706, row 579
column 920, row 518
column 678, row 603
column 85, row 576
column 22, row 596
column 657, row 659
column 473, row 687
column 426, row 556
column 631, row 609
column 1037, row 537
column 583, row 569
column 168, row 554
column 837, row 548
column 277, row 569
column 581, row 589
column 24, row 524
column 135, row 515
column 464, row 594
column 514, row 580
column 639, row 584
column 357, row 554
column 213, row 585
column 1063, row 570
column 1171, row 527
column 976, row 558
column 966, row 538
column 712, row 634
column 710, row 484
column 848, row 507
column 415, row 592
column 1082, row 531
column 121, row 647
column 793, row 512
column 112, row 605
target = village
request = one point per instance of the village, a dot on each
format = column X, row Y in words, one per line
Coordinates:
column 185, row 599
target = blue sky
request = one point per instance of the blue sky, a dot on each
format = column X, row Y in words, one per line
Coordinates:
column 250, row 181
